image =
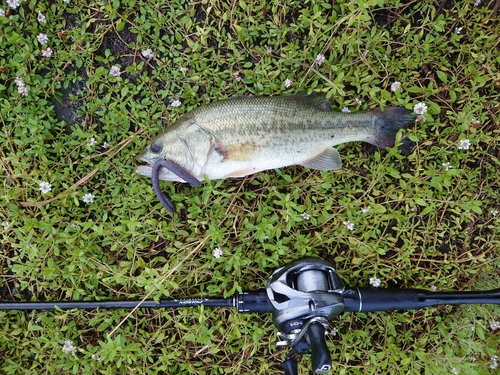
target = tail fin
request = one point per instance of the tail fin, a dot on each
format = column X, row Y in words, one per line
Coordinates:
column 388, row 123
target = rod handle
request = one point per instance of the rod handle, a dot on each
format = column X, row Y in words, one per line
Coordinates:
column 375, row 299
column 254, row 302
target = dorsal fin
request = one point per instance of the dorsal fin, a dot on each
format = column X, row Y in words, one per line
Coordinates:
column 316, row 99
column 240, row 96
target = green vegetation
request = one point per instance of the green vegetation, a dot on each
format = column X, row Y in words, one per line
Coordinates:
column 427, row 224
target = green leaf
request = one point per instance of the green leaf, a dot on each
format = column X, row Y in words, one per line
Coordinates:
column 442, row 76
column 120, row 25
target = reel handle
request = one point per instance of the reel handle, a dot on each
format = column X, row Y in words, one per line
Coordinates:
column 290, row 366
column 320, row 355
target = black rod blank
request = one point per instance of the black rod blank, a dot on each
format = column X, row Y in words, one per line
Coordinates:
column 245, row 302
column 91, row 305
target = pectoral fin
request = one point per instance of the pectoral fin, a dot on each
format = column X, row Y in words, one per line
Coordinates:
column 326, row 160
column 239, row 151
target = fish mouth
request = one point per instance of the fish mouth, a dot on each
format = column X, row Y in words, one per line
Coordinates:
column 147, row 170
column 144, row 170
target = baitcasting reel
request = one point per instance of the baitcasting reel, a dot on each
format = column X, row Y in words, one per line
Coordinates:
column 302, row 296
column 305, row 295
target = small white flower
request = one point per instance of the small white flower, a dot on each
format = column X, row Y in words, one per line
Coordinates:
column 458, row 30
column 67, row 1
column 41, row 17
column 184, row 69
column 13, row 3
column 464, row 144
column 494, row 212
column 494, row 325
column 2, row 12
column 19, row 81
column 47, row 52
column 420, row 119
column 88, row 198
column 68, row 347
column 477, row 3
column 147, row 53
column 45, row 187
column 433, row 288
column 91, row 142
column 115, row 71
column 288, row 82
column 447, row 166
column 320, row 59
column 375, row 282
column 395, row 85
column 365, row 209
column 176, row 103
column 105, row 145
column 217, row 252
column 5, row 225
column 349, row 225
column 23, row 90
column 306, row 216
column 454, row 371
column 95, row 357
column 494, row 362
column 473, row 358
column 269, row 49
column 474, row 122
column 420, row 108
column 334, row 332
column 473, row 328
column 346, row 110
column 357, row 101
column 236, row 76
column 42, row 38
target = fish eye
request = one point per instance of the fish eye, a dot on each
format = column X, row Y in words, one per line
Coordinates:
column 155, row 148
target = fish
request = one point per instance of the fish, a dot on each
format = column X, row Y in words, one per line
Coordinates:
column 244, row 135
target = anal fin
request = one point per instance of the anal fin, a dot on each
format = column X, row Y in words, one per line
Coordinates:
column 326, row 160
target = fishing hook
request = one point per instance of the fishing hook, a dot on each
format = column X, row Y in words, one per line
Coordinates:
column 174, row 168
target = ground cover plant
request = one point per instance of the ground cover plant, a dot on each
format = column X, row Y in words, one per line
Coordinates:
column 86, row 85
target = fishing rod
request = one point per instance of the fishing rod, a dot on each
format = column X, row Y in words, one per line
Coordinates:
column 302, row 297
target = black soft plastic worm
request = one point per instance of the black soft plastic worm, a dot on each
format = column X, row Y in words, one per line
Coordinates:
column 174, row 168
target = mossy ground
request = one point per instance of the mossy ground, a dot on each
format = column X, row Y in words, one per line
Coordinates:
column 427, row 224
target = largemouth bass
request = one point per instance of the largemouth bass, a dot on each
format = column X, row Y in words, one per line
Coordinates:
column 245, row 135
